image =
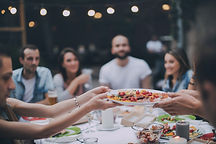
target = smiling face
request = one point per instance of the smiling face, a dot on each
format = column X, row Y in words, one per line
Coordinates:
column 120, row 47
column 31, row 60
column 171, row 64
column 70, row 63
column 6, row 82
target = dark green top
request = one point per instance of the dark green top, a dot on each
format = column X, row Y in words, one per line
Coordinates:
column 4, row 116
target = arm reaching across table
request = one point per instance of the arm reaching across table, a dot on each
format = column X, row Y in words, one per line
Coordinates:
column 182, row 103
column 64, row 112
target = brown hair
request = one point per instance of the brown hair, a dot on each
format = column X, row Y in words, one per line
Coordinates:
column 29, row 46
column 3, row 53
column 61, row 60
column 182, row 58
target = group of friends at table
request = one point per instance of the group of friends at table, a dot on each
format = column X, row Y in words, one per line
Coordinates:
column 24, row 91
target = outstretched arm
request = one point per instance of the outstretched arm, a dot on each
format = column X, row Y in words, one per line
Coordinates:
column 39, row 110
column 32, row 131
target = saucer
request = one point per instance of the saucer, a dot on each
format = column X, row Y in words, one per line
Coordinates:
column 100, row 128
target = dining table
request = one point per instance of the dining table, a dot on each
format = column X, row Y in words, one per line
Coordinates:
column 120, row 135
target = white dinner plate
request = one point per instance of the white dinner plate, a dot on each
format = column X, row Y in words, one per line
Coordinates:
column 72, row 135
column 64, row 139
column 101, row 128
column 115, row 92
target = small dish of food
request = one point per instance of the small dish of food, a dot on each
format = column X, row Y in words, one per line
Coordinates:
column 150, row 134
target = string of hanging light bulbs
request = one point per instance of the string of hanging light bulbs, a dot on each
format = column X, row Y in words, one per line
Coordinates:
column 91, row 12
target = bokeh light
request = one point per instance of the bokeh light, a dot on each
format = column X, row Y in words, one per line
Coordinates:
column 43, row 12
column 98, row 15
column 110, row 10
column 3, row 11
column 31, row 24
column 10, row 7
column 166, row 7
column 91, row 12
column 13, row 10
column 66, row 13
column 134, row 9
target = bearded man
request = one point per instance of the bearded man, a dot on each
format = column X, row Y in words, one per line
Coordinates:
column 124, row 71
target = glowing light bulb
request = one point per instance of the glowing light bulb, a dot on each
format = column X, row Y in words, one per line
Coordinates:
column 110, row 10
column 43, row 12
column 31, row 24
column 134, row 9
column 166, row 7
column 3, row 11
column 91, row 12
column 98, row 15
column 10, row 7
column 66, row 13
column 13, row 10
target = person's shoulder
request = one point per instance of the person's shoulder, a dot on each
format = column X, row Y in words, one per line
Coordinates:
column 150, row 41
column 137, row 60
column 17, row 71
column 108, row 64
column 58, row 76
column 158, row 41
column 42, row 69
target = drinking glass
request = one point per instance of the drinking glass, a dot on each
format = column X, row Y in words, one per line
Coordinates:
column 148, row 109
column 90, row 140
column 90, row 117
column 52, row 97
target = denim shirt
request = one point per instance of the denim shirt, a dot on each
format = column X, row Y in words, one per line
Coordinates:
column 43, row 83
column 180, row 84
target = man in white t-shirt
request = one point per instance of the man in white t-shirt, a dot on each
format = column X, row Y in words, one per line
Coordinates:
column 156, row 51
column 154, row 45
column 124, row 71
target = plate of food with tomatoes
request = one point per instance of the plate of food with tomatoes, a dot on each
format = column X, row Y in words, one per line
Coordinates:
column 169, row 131
column 137, row 96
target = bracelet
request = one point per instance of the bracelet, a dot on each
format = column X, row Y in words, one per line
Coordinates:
column 191, row 83
column 76, row 102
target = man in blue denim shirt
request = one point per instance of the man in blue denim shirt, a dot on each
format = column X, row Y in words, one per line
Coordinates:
column 32, row 82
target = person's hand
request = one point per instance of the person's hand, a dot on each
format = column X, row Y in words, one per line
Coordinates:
column 182, row 103
column 194, row 93
column 100, row 102
column 83, row 78
column 96, row 91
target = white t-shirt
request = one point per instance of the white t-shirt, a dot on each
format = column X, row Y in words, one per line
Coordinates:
column 129, row 76
column 29, row 88
column 155, row 46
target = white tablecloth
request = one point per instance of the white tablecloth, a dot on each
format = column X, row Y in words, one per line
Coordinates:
column 123, row 135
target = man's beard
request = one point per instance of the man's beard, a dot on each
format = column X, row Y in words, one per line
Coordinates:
column 31, row 70
column 122, row 57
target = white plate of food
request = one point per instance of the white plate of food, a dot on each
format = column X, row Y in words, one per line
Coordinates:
column 137, row 96
column 68, row 135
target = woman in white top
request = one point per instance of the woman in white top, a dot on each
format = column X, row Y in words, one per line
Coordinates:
column 69, row 82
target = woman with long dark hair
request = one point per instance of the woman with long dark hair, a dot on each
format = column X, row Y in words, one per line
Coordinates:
column 69, row 82
column 178, row 72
